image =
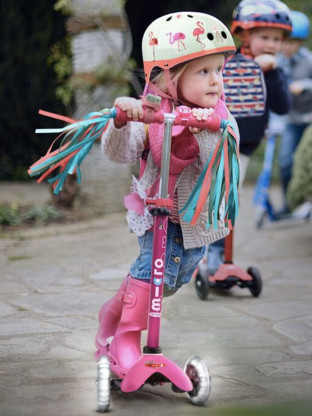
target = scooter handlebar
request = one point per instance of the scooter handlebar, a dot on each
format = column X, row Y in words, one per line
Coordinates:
column 181, row 117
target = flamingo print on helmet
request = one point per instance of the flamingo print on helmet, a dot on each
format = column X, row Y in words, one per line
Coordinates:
column 181, row 37
column 218, row 31
column 177, row 37
column 199, row 30
column 152, row 42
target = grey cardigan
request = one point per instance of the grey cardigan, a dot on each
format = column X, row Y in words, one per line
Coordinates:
column 299, row 67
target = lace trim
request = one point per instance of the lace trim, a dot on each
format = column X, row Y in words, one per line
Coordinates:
column 137, row 222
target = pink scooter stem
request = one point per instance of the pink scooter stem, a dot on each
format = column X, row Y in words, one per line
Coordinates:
column 157, row 281
column 159, row 244
column 152, row 361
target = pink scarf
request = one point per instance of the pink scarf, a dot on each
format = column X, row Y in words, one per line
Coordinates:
column 184, row 150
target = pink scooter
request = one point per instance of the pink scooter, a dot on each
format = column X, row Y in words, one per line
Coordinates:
column 152, row 367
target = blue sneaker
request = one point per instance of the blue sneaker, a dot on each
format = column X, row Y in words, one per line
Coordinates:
column 214, row 257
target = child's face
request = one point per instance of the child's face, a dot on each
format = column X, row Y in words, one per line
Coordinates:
column 265, row 41
column 291, row 46
column 201, row 84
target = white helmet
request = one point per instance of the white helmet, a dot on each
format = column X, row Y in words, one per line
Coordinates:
column 180, row 37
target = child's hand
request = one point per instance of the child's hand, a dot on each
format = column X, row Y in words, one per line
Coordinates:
column 296, row 88
column 200, row 114
column 266, row 61
column 132, row 106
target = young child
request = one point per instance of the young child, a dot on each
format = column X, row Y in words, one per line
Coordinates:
column 183, row 55
column 296, row 61
column 261, row 26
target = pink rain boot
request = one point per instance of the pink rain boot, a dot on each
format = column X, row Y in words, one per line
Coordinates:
column 125, row 348
column 109, row 317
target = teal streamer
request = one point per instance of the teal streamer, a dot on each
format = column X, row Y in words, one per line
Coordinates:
column 217, row 186
column 75, row 138
column 99, row 118
column 232, row 207
column 235, row 189
column 42, row 167
column 190, row 205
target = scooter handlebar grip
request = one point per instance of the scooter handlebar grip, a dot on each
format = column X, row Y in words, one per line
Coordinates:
column 185, row 117
column 149, row 116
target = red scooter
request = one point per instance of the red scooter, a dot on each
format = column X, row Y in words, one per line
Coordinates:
column 227, row 275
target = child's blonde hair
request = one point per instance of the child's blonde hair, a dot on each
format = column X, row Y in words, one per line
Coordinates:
column 175, row 74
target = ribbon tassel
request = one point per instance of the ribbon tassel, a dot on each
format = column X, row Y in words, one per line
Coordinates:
column 77, row 139
column 219, row 180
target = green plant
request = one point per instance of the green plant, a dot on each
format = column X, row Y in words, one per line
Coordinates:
column 300, row 186
column 111, row 71
column 40, row 215
column 63, row 6
column 14, row 214
column 60, row 59
column 9, row 214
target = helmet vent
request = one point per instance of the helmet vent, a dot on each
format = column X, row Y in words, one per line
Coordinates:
column 189, row 15
column 278, row 16
column 169, row 18
column 224, row 35
column 210, row 36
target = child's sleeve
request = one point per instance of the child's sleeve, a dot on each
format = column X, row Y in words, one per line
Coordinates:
column 278, row 97
column 124, row 145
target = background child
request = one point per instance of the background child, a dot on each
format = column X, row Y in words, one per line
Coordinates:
column 183, row 64
column 296, row 61
column 261, row 26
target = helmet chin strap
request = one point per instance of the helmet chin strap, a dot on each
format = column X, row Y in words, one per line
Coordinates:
column 171, row 87
column 154, row 89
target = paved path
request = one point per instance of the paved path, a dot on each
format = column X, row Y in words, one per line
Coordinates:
column 54, row 280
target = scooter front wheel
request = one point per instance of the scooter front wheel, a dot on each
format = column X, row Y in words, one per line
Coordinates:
column 198, row 373
column 256, row 287
column 103, row 385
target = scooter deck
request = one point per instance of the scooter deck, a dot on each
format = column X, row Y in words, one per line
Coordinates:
column 150, row 364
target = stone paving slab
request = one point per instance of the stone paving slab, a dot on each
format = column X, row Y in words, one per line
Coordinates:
column 54, row 280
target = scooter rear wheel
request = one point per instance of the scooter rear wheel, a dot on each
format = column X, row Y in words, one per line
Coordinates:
column 103, row 385
column 202, row 286
column 198, row 373
column 256, row 287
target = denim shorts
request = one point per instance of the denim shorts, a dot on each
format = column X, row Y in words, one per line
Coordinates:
column 180, row 263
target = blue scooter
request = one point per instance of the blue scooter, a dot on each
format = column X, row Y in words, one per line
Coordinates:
column 263, row 207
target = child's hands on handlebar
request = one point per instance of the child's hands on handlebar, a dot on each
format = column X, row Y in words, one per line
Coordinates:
column 133, row 108
column 200, row 114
